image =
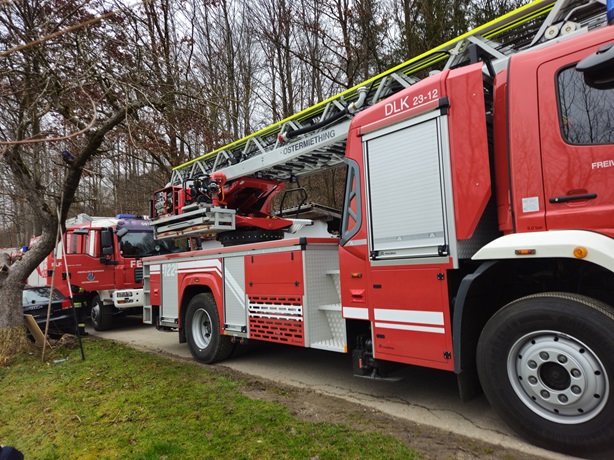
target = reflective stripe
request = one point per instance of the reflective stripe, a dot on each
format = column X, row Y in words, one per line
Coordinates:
column 407, row 327
column 355, row 313
column 410, row 316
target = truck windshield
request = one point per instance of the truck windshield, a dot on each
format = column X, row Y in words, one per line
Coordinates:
column 142, row 244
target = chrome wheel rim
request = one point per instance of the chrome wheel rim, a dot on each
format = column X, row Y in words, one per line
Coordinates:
column 95, row 313
column 202, row 328
column 558, row 377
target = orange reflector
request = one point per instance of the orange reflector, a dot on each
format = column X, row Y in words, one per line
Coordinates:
column 525, row 252
column 356, row 275
column 580, row 252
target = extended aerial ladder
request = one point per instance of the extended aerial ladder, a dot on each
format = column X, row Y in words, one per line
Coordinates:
column 315, row 138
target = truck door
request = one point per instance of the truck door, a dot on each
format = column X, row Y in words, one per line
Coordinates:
column 84, row 258
column 406, row 195
column 577, row 133
column 410, row 228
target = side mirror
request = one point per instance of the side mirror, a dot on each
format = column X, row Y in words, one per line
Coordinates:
column 121, row 232
column 106, row 239
column 598, row 68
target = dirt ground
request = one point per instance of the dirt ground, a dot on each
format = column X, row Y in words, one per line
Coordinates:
column 309, row 405
column 430, row 442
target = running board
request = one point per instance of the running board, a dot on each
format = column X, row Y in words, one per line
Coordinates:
column 375, row 376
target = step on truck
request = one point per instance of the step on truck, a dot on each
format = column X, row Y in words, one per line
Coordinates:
column 476, row 235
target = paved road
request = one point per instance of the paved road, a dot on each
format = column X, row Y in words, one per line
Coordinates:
column 424, row 395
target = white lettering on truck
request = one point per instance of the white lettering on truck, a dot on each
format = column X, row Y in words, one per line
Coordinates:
column 603, row 164
column 397, row 106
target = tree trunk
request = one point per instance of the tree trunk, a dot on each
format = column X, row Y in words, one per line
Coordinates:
column 12, row 332
column 10, row 297
column 13, row 277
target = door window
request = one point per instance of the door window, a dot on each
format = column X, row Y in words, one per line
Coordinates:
column 586, row 114
column 93, row 246
column 76, row 243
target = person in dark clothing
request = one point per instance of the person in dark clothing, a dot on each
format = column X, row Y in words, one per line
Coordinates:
column 10, row 453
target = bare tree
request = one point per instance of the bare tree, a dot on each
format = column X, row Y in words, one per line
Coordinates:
column 274, row 24
column 483, row 11
column 63, row 96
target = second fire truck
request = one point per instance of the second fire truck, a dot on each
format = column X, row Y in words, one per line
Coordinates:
column 101, row 263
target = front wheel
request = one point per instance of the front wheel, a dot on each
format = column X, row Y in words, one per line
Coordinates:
column 101, row 315
column 202, row 330
column 546, row 364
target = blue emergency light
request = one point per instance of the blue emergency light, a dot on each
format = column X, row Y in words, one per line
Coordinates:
column 126, row 216
column 610, row 11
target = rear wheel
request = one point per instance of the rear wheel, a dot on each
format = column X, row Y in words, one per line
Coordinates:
column 202, row 330
column 546, row 364
column 101, row 315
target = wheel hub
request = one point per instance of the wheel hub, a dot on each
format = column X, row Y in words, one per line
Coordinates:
column 555, row 376
column 95, row 313
column 202, row 329
column 558, row 377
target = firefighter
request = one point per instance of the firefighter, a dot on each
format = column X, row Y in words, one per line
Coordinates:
column 79, row 313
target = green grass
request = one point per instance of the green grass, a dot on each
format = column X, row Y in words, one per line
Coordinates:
column 122, row 403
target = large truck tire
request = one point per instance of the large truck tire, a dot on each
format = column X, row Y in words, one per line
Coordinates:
column 202, row 330
column 546, row 364
column 101, row 315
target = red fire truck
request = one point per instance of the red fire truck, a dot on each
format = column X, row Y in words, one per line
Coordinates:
column 476, row 235
column 101, row 261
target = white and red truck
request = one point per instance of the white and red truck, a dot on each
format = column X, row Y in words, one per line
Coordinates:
column 101, row 262
column 476, row 236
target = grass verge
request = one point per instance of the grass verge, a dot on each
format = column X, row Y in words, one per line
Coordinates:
column 123, row 403
column 13, row 341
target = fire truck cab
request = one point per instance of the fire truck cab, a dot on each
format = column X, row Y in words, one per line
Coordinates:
column 100, row 264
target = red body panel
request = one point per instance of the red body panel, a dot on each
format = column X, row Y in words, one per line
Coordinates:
column 525, row 158
column 418, row 98
column 276, row 281
column 468, row 148
column 544, row 165
column 154, row 289
column 202, row 277
column 85, row 270
column 354, row 277
column 502, row 177
column 572, row 169
column 411, row 313
column 275, row 274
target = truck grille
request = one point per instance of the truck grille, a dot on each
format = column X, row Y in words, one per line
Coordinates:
column 138, row 274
